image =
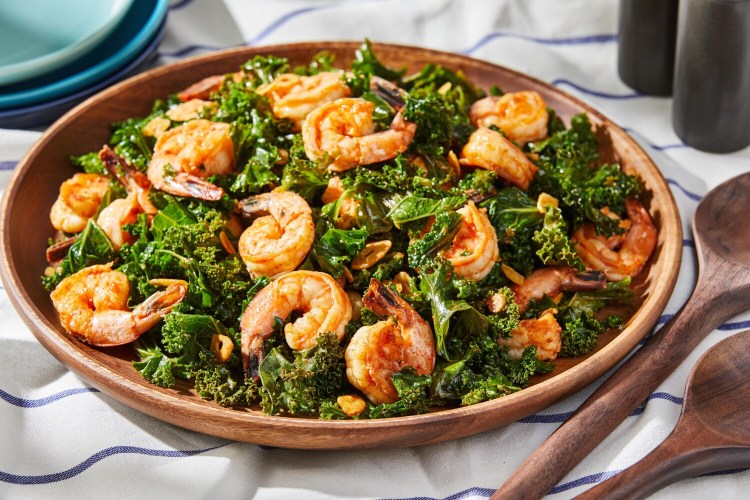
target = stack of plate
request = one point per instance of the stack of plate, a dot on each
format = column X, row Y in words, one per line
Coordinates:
column 55, row 54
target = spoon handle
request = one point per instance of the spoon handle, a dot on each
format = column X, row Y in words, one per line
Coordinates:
column 683, row 454
column 619, row 395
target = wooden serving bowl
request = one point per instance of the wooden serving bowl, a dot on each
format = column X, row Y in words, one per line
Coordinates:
column 34, row 187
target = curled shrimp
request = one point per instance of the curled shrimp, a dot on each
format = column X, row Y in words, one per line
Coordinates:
column 378, row 351
column 124, row 211
column 544, row 333
column 324, row 305
column 294, row 96
column 279, row 240
column 551, row 281
column 490, row 150
column 93, row 306
column 185, row 155
column 522, row 116
column 623, row 256
column 474, row 249
column 344, row 129
column 78, row 201
column 189, row 110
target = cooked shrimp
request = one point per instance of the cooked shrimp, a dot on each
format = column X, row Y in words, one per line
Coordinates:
column 378, row 351
column 184, row 155
column 93, row 306
column 348, row 208
column 280, row 239
column 544, row 333
column 78, row 201
column 490, row 150
column 344, row 130
column 120, row 212
column 189, row 110
column 634, row 249
column 522, row 116
column 294, row 96
column 551, row 281
column 474, row 249
column 324, row 305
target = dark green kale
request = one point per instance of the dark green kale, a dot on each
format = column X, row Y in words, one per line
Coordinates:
column 263, row 69
column 89, row 163
column 337, row 247
column 154, row 365
column 423, row 251
column 320, row 63
column 367, row 63
column 413, row 396
column 91, row 247
column 567, row 172
column 407, row 208
column 307, row 178
column 300, row 385
column 478, row 183
column 217, row 382
column 553, row 244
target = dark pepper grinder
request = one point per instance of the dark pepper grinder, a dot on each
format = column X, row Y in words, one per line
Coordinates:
column 645, row 53
column 711, row 109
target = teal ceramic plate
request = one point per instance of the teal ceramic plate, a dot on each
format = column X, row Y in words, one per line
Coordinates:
column 38, row 36
column 130, row 38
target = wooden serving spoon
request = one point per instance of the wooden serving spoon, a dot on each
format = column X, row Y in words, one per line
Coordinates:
column 722, row 240
column 712, row 434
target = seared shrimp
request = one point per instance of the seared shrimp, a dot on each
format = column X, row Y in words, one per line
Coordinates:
column 522, row 116
column 294, row 97
column 324, row 305
column 544, row 333
column 551, row 281
column 344, row 130
column 120, row 212
column 378, row 351
column 490, row 150
column 93, row 306
column 280, row 239
column 189, row 110
column 634, row 249
column 78, row 201
column 474, row 249
column 184, row 155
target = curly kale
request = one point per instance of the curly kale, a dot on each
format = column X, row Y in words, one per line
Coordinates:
column 300, row 385
column 567, row 172
column 91, row 247
column 554, row 246
column 423, row 251
column 217, row 382
column 413, row 396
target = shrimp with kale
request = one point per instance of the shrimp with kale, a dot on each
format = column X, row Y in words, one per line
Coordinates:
column 474, row 249
column 490, row 150
column 522, row 116
column 93, row 306
column 323, row 304
column 345, row 131
column 378, row 351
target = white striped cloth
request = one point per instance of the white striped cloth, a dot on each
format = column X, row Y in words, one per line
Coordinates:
column 63, row 439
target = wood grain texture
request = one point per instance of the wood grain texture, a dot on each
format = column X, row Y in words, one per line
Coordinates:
column 25, row 231
column 721, row 292
column 712, row 434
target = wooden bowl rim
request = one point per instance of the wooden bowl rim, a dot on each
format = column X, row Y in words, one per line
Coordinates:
column 251, row 426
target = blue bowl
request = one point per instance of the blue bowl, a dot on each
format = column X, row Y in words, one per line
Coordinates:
column 126, row 42
column 45, row 113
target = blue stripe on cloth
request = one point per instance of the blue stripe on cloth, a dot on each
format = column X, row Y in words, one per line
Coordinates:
column 724, row 327
column 36, row 403
column 558, row 418
column 596, row 93
column 470, row 492
column 590, row 479
column 580, row 40
column 670, row 146
column 689, row 194
column 96, row 457
column 8, row 165
column 688, row 243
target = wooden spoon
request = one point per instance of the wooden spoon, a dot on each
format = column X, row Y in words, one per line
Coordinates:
column 722, row 239
column 712, row 434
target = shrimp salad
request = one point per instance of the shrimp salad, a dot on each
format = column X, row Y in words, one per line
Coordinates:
column 347, row 243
